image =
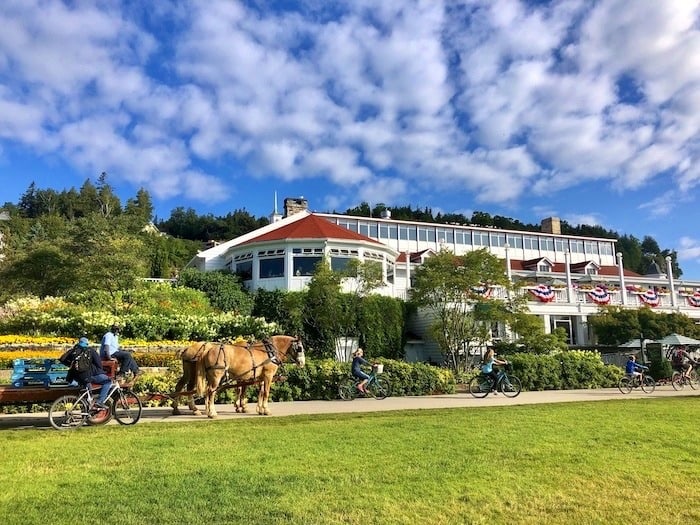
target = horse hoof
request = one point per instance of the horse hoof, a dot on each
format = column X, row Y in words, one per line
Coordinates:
column 196, row 412
column 213, row 416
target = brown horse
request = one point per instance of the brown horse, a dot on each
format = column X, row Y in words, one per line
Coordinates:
column 205, row 365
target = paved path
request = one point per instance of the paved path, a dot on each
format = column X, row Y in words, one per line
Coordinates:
column 292, row 408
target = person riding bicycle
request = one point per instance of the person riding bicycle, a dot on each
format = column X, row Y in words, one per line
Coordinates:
column 633, row 369
column 487, row 366
column 95, row 374
column 357, row 362
column 683, row 362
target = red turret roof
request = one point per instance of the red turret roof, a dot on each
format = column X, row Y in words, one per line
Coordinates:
column 311, row 227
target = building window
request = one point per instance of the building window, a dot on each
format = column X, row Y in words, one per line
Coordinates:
column 576, row 246
column 272, row 267
column 543, row 267
column 339, row 264
column 605, row 248
column 515, row 241
column 481, row 238
column 445, row 236
column 591, row 270
column 561, row 245
column 590, row 247
column 464, row 237
column 547, row 244
column 305, row 266
column 244, row 270
column 530, row 243
column 498, row 239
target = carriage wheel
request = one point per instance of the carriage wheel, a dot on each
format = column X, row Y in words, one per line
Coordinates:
column 68, row 412
column 127, row 407
column 347, row 389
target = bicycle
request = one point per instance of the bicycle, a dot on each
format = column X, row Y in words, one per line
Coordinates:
column 646, row 382
column 376, row 387
column 76, row 410
column 679, row 380
column 508, row 385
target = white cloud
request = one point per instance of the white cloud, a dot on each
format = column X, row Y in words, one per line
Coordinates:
column 495, row 99
column 689, row 249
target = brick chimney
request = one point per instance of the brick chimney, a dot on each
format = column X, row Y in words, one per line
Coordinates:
column 551, row 225
column 294, row 205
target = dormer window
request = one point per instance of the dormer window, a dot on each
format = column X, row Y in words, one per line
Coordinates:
column 544, row 266
column 591, row 270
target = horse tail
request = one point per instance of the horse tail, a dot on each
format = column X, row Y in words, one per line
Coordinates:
column 201, row 375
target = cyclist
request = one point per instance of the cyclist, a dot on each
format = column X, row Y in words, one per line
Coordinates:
column 95, row 374
column 487, row 366
column 632, row 368
column 357, row 362
column 684, row 362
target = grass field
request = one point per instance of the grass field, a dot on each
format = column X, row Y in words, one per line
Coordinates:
column 608, row 462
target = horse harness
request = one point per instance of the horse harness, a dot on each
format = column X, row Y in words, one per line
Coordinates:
column 272, row 357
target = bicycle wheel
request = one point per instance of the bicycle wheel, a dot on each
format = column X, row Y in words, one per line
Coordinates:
column 347, row 391
column 693, row 380
column 648, row 385
column 127, row 407
column 480, row 386
column 100, row 416
column 510, row 386
column 68, row 412
column 677, row 381
column 625, row 385
column 379, row 388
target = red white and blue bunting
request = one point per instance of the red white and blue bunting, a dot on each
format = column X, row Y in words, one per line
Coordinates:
column 484, row 291
column 543, row 292
column 694, row 300
column 599, row 295
column 649, row 298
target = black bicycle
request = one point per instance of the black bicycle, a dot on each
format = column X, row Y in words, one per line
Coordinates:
column 646, row 382
column 376, row 386
column 73, row 411
column 482, row 384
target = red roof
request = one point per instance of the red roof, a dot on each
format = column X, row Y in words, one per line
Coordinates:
column 311, row 227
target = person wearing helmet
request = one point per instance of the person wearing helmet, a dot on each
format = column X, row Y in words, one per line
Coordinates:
column 109, row 350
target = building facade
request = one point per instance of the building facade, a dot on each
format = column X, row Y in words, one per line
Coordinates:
column 566, row 278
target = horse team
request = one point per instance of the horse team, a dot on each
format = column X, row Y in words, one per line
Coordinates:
column 208, row 367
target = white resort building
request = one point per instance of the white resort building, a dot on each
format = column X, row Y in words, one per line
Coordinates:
column 566, row 277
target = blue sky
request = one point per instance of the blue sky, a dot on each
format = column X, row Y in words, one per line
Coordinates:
column 587, row 110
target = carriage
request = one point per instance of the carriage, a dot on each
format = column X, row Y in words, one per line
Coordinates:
column 208, row 368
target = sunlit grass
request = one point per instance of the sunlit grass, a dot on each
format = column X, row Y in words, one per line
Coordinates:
column 604, row 462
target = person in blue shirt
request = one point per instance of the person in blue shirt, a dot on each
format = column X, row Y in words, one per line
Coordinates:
column 633, row 369
column 487, row 366
column 357, row 362
column 109, row 350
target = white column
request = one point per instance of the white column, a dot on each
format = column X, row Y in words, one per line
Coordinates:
column 509, row 271
column 669, row 272
column 621, row 273
column 569, row 286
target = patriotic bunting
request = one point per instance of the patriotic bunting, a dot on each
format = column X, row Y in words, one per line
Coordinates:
column 694, row 300
column 484, row 291
column 599, row 295
column 543, row 292
column 650, row 298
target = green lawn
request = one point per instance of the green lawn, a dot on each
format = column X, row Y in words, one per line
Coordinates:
column 627, row 461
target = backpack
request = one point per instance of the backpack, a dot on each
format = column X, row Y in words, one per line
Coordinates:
column 82, row 361
column 677, row 358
